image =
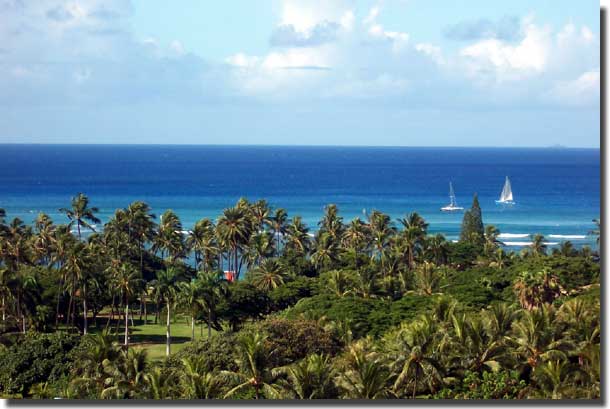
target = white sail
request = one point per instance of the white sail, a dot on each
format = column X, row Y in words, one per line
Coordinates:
column 452, row 206
column 507, row 193
column 451, row 195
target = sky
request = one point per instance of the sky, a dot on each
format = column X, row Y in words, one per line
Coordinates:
column 301, row 72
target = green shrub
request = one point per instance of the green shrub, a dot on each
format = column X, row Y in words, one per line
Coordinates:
column 292, row 340
column 37, row 358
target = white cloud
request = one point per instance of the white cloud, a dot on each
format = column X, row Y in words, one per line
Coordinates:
column 508, row 61
column 583, row 90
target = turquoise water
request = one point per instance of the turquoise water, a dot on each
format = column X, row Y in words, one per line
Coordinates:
column 557, row 191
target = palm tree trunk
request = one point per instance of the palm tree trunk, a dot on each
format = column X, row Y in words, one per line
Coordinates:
column 84, row 315
column 209, row 323
column 111, row 313
column 78, row 228
column 3, row 311
column 192, row 328
column 167, row 332
column 126, row 323
column 415, row 384
column 145, row 312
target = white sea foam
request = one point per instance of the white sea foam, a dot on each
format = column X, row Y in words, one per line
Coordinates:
column 568, row 236
column 513, row 235
column 527, row 243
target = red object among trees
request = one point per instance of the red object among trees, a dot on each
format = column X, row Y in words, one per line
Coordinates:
column 230, row 276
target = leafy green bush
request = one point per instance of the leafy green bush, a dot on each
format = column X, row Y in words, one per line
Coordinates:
column 290, row 293
column 243, row 302
column 218, row 351
column 292, row 340
column 37, row 358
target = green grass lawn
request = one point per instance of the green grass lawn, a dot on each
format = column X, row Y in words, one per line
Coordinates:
column 152, row 337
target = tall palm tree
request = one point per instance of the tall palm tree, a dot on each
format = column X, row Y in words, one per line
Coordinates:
column 381, row 232
column 326, row 251
column 278, row 224
column 128, row 282
column 437, row 246
column 141, row 227
column 253, row 362
column 202, row 241
column 75, row 272
column 44, row 239
column 269, row 274
column 24, row 288
column 297, row 237
column 170, row 240
column 233, row 232
column 166, row 285
column 259, row 248
column 81, row 214
column 212, row 288
column 261, row 215
column 331, row 223
column 189, row 298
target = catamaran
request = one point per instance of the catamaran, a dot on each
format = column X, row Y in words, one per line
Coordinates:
column 506, row 197
column 452, row 206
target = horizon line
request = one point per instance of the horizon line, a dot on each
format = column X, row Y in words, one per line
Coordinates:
column 557, row 146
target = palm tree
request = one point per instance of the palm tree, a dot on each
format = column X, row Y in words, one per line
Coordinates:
column 212, row 288
column 261, row 215
column 339, row 282
column 491, row 239
column 325, row 251
column 253, row 362
column 126, row 376
column 259, row 247
column 331, row 223
column 24, row 288
column 427, row 278
column 538, row 246
column 189, row 296
column 128, row 282
column 203, row 242
column 75, row 272
column 538, row 337
column 381, row 232
column 412, row 236
column 414, row 359
column 437, row 245
column 311, row 378
column 535, row 289
column 44, row 239
column 166, row 284
column 233, row 231
column 365, row 377
column 297, row 237
column 170, row 240
column 278, row 224
column 81, row 213
column 198, row 382
column 141, row 227
column 597, row 231
column 269, row 274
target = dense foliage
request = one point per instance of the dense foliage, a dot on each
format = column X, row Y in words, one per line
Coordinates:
column 366, row 309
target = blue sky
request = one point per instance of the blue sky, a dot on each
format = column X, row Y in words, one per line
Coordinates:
column 342, row 72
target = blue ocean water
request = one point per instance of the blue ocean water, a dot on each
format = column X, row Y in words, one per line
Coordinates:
column 557, row 190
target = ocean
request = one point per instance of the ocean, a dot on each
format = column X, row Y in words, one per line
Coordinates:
column 556, row 190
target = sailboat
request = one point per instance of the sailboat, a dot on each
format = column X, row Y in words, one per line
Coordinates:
column 452, row 206
column 506, row 197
